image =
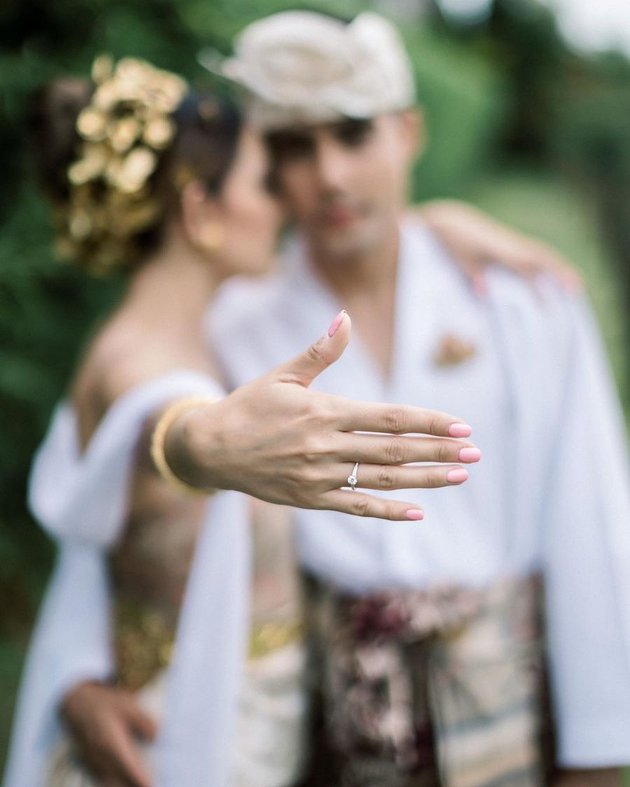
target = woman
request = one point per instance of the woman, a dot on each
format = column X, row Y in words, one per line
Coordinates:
column 149, row 176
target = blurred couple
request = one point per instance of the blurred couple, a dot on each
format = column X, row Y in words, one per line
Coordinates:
column 174, row 646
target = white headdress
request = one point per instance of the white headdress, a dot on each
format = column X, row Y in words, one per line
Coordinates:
column 306, row 67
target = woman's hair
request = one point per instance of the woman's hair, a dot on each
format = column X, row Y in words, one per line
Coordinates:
column 113, row 154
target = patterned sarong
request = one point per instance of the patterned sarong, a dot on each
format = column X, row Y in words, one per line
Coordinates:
column 445, row 687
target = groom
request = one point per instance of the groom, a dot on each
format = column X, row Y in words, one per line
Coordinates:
column 430, row 656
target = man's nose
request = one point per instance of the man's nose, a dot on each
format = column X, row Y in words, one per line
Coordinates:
column 332, row 164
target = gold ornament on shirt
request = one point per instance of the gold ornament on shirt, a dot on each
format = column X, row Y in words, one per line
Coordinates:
column 123, row 131
column 453, row 350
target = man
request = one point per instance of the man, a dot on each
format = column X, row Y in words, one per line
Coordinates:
column 427, row 634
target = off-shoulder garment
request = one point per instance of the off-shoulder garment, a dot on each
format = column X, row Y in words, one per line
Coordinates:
column 81, row 500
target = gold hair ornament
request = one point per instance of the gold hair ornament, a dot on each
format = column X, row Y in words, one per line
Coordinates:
column 123, row 131
column 166, row 420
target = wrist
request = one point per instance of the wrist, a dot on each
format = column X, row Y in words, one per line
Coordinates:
column 191, row 446
column 74, row 696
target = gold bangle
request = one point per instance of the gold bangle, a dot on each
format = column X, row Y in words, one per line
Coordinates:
column 166, row 420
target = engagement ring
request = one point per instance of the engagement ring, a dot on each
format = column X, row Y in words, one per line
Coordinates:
column 353, row 479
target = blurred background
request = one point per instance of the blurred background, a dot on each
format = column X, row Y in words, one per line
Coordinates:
column 528, row 113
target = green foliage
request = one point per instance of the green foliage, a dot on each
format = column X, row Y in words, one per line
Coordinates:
column 489, row 96
column 466, row 105
column 591, row 141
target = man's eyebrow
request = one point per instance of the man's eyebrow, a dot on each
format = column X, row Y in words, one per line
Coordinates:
column 289, row 133
column 352, row 123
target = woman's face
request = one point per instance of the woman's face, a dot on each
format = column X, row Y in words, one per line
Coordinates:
column 250, row 216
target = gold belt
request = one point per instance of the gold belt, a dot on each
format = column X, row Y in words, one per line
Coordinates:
column 143, row 642
column 144, row 639
column 265, row 638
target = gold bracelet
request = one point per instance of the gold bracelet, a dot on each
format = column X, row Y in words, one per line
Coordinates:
column 166, row 420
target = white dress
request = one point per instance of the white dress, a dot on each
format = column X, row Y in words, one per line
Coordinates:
column 221, row 712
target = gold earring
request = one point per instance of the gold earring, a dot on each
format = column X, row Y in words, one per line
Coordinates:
column 210, row 237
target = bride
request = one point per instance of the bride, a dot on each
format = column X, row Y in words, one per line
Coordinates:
column 145, row 631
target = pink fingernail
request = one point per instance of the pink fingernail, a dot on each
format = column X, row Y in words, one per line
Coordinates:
column 459, row 430
column 415, row 514
column 457, row 476
column 334, row 325
column 469, row 455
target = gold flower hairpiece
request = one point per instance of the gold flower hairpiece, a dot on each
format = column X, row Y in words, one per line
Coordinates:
column 123, row 131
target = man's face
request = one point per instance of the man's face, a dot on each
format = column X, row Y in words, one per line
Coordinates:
column 345, row 183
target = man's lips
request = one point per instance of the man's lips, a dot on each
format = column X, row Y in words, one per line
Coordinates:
column 338, row 215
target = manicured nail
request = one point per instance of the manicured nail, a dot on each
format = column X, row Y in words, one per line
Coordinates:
column 334, row 325
column 469, row 455
column 459, row 430
column 457, row 476
column 415, row 514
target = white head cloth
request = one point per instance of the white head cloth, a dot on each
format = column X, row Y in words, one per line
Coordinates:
column 301, row 67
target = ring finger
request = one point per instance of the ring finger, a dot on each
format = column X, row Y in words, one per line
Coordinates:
column 388, row 477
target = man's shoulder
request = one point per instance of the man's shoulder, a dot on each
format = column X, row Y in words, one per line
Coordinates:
column 542, row 298
column 539, row 314
column 537, row 299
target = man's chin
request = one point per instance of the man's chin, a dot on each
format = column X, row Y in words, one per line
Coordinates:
column 344, row 241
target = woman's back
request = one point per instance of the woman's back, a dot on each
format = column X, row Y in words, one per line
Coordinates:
column 150, row 562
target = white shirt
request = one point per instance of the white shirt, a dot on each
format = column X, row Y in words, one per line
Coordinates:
column 551, row 492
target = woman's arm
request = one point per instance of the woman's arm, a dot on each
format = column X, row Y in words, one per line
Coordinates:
column 476, row 241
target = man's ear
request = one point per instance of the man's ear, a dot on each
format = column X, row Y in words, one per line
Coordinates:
column 198, row 210
column 415, row 132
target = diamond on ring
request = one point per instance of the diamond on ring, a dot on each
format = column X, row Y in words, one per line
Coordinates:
column 353, row 479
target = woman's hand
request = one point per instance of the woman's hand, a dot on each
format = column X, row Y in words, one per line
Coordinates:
column 278, row 441
column 476, row 241
column 106, row 725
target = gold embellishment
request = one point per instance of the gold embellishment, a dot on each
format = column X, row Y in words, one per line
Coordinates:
column 266, row 638
column 158, row 437
column 453, row 350
column 123, row 131
column 143, row 637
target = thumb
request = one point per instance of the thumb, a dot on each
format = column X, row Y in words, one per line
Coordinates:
column 304, row 368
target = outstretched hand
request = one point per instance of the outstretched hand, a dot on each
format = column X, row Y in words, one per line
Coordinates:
column 279, row 441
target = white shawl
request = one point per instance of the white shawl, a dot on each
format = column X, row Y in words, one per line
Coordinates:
column 82, row 501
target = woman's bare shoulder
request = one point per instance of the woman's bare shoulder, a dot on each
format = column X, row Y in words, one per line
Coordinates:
column 124, row 355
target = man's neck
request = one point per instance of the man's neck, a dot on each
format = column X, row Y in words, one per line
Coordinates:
column 363, row 273
column 365, row 284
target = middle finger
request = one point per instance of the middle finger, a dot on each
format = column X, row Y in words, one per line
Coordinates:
column 399, row 450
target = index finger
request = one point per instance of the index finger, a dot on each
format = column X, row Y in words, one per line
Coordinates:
column 398, row 419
